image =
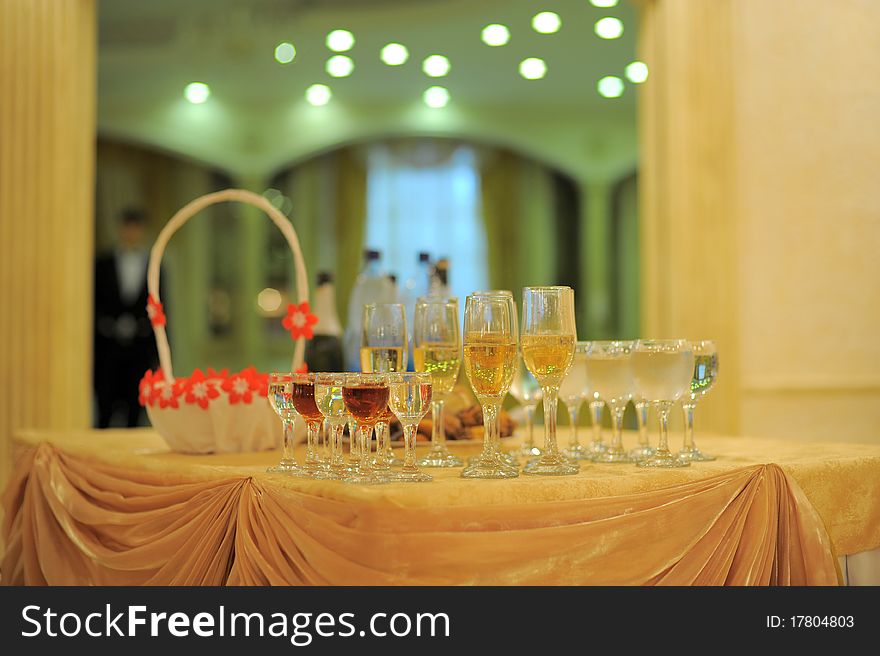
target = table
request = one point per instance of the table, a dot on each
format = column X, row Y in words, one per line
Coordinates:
column 117, row 507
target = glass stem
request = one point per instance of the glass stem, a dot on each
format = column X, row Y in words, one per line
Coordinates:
column 312, row 446
column 381, row 441
column 550, row 401
column 364, row 435
column 663, row 411
column 409, row 446
column 337, row 459
column 597, row 407
column 438, row 430
column 617, row 423
column 287, row 443
column 573, row 420
column 490, row 417
column 530, row 413
column 642, row 417
column 353, row 437
column 688, row 409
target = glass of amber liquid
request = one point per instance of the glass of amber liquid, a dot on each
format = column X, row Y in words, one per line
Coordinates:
column 548, row 344
column 366, row 398
column 303, row 399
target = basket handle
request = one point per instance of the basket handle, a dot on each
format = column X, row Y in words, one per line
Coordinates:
column 183, row 215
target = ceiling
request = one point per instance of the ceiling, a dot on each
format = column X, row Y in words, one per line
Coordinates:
column 149, row 51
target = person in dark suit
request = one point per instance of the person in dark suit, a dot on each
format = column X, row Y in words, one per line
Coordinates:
column 124, row 344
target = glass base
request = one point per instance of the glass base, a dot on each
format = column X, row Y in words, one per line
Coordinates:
column 412, row 477
column 548, row 465
column 597, row 447
column 663, row 460
column 641, row 453
column 613, row 455
column 578, row 452
column 440, row 458
column 363, row 479
column 284, row 468
column 483, row 468
column 324, row 475
column 526, row 451
column 695, row 455
column 396, row 462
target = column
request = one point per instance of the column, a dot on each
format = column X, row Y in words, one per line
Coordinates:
column 594, row 306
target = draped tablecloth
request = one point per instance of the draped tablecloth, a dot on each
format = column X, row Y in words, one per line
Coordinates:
column 117, row 507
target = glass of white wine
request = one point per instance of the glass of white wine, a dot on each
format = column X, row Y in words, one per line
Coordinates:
column 281, row 400
column 644, row 449
column 328, row 396
column 490, row 354
column 610, row 370
column 548, row 343
column 573, row 392
column 409, row 398
column 705, row 373
column 663, row 370
column 384, row 349
column 526, row 390
column 437, row 351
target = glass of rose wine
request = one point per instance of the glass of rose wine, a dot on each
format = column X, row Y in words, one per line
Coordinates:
column 705, row 373
column 280, row 399
column 437, row 351
column 548, row 343
column 366, row 398
column 610, row 369
column 303, row 399
column 663, row 370
column 409, row 398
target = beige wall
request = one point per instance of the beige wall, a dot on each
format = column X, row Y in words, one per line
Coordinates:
column 47, row 119
column 762, row 153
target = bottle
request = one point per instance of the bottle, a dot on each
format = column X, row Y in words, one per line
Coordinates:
column 371, row 286
column 415, row 286
column 440, row 278
column 324, row 350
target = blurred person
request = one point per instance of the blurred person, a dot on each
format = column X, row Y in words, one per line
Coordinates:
column 124, row 344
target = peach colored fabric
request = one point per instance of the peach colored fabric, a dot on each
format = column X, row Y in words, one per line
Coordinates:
column 117, row 508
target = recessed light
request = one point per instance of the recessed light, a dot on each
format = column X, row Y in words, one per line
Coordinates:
column 318, row 94
column 609, row 27
column 637, row 72
column 546, row 22
column 610, row 87
column 495, row 35
column 284, row 52
column 394, row 54
column 197, row 92
column 436, row 66
column 339, row 66
column 532, row 68
column 436, row 97
column 340, row 40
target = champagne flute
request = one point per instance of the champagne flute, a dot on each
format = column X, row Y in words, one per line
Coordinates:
column 548, row 343
column 328, row 396
column 366, row 398
column 663, row 371
column 280, row 400
column 437, row 351
column 384, row 349
column 610, row 369
column 526, row 390
column 705, row 373
column 572, row 392
column 489, row 359
column 409, row 397
column 644, row 449
column 303, row 399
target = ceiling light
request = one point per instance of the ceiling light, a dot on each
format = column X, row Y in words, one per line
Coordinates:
column 603, row 3
column 495, row 35
column 532, row 68
column 394, row 54
column 610, row 87
column 197, row 92
column 609, row 27
column 637, row 72
column 436, row 97
column 340, row 40
column 318, row 94
column 284, row 52
column 547, row 22
column 435, row 66
column 339, row 66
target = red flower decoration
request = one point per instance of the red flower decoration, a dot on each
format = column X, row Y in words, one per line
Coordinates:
column 145, row 389
column 166, row 395
column 199, row 390
column 299, row 321
column 155, row 311
column 240, row 387
column 304, row 369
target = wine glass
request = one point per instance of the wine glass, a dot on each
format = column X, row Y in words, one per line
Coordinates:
column 384, row 349
column 489, row 359
column 705, row 373
column 644, row 449
column 526, row 390
column 610, row 370
column 328, row 396
column 572, row 392
column 437, row 351
column 409, row 397
column 280, row 400
column 366, row 398
column 548, row 343
column 303, row 399
column 663, row 371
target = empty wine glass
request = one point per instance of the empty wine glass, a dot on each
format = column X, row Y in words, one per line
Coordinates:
column 663, row 371
column 366, row 398
column 644, row 449
column 705, row 373
column 303, row 399
column 280, row 399
column 548, row 342
column 610, row 370
column 489, row 359
column 573, row 391
column 410, row 397
column 526, row 390
column 437, row 351
column 328, row 396
column 384, row 349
